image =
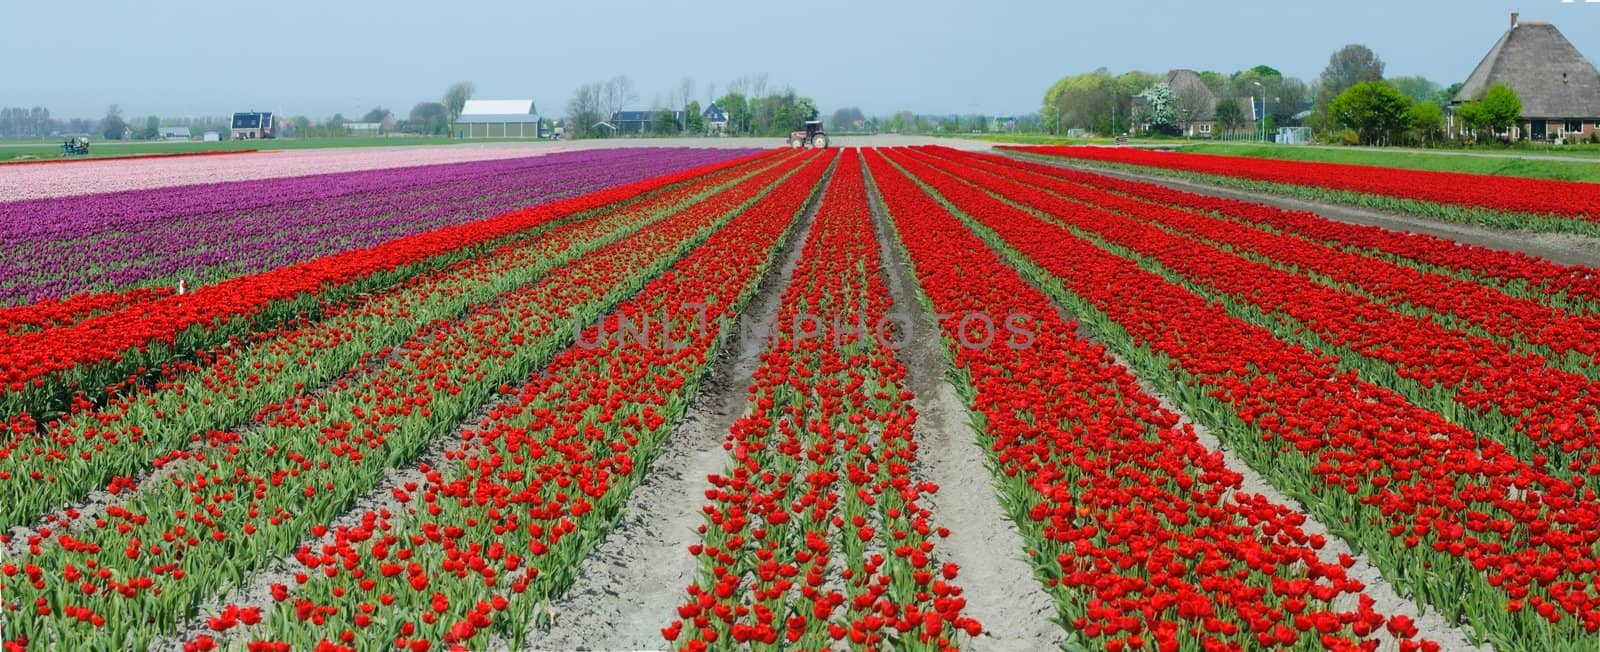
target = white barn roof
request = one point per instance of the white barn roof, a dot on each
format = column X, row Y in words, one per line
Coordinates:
column 497, row 107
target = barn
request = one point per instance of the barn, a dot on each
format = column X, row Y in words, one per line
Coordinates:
column 497, row 119
column 1559, row 88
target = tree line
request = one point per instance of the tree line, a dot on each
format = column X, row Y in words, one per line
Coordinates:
column 753, row 106
column 1350, row 101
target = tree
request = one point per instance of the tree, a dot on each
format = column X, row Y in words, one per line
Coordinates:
column 335, row 124
column 693, row 122
column 152, row 127
column 616, row 94
column 1350, row 65
column 1374, row 109
column 1444, row 97
column 845, row 118
column 1190, row 103
column 1416, row 87
column 1472, row 118
column 112, row 126
column 1229, row 115
column 1124, row 88
column 785, row 111
column 1501, row 108
column 1214, row 81
column 738, row 110
column 377, row 114
column 1291, row 97
column 1156, row 109
column 584, row 109
column 455, row 98
column 665, row 123
column 19, row 121
column 806, row 108
column 760, row 110
column 1079, row 101
column 685, row 92
column 1426, row 120
column 428, row 118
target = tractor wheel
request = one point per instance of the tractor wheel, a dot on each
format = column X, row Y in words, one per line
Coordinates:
column 820, row 141
column 794, row 143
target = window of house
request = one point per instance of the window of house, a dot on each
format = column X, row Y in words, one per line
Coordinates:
column 1574, row 126
column 1205, row 128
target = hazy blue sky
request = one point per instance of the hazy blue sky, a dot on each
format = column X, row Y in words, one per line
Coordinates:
column 293, row 56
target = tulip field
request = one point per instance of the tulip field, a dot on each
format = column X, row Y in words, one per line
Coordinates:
column 1508, row 202
column 367, row 404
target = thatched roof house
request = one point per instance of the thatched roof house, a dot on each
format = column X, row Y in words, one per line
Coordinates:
column 1196, row 104
column 1559, row 88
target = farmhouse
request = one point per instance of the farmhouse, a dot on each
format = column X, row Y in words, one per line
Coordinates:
column 716, row 119
column 174, row 133
column 1559, row 88
column 497, row 119
column 1196, row 105
column 252, row 124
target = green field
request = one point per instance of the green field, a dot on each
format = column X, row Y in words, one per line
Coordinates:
column 1505, row 163
column 36, row 149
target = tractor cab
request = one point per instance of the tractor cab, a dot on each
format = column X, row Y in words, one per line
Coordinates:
column 811, row 136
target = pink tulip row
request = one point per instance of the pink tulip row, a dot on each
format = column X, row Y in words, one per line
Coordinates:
column 89, row 177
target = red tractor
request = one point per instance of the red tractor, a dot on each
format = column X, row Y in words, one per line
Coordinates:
column 811, row 136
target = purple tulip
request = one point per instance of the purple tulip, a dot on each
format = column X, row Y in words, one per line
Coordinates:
column 60, row 246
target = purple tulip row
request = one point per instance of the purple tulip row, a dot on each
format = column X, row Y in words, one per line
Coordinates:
column 112, row 241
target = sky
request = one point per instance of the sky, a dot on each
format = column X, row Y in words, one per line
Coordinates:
column 204, row 58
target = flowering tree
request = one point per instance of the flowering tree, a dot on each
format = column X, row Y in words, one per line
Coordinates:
column 1157, row 106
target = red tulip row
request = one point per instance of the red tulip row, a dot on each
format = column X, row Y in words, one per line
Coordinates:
column 1491, row 199
column 44, row 368
column 71, row 310
column 154, row 558
column 93, row 445
column 1544, row 415
column 1470, row 305
column 530, row 490
column 1563, row 286
column 817, row 535
column 1140, row 533
column 1451, row 517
